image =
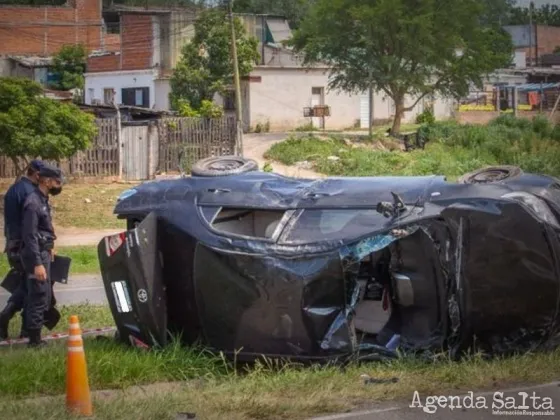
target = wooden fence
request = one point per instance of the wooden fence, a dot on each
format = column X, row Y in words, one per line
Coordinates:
column 198, row 138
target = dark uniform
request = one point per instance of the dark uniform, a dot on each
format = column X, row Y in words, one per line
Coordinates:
column 38, row 240
column 13, row 216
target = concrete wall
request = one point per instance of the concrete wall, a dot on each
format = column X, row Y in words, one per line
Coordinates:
column 282, row 93
column 43, row 30
column 162, row 91
column 484, row 117
column 117, row 81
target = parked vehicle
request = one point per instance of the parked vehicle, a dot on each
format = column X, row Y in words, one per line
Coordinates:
column 260, row 264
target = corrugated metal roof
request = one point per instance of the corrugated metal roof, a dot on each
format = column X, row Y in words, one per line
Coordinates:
column 537, row 86
column 279, row 29
column 32, row 61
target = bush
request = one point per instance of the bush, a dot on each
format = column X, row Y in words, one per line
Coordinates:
column 426, row 117
column 452, row 150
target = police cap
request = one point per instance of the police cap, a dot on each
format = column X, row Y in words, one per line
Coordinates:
column 48, row 171
column 36, row 164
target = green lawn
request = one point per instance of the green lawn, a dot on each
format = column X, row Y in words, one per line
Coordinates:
column 452, row 150
column 211, row 388
column 84, row 260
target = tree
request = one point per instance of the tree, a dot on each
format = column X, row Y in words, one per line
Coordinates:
column 206, row 67
column 32, row 125
column 403, row 47
column 70, row 65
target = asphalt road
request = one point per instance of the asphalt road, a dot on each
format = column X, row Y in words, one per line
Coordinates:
column 80, row 289
column 403, row 411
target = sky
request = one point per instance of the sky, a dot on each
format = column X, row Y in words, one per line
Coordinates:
column 538, row 3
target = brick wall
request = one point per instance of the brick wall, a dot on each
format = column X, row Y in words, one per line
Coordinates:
column 548, row 38
column 136, row 42
column 28, row 30
column 135, row 45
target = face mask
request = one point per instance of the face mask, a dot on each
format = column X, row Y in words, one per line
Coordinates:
column 55, row 190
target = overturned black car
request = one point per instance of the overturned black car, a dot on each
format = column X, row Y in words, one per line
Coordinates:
column 258, row 264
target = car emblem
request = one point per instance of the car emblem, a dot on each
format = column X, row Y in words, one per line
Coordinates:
column 142, row 296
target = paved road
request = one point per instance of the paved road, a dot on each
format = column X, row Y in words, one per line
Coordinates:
column 404, row 412
column 80, row 289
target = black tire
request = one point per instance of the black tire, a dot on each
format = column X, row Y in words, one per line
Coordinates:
column 491, row 174
column 223, row 166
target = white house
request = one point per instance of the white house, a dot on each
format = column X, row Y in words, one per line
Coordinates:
column 276, row 94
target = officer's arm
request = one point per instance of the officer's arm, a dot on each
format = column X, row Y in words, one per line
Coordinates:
column 30, row 232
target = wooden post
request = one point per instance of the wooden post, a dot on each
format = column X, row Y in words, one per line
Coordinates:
column 238, row 110
column 515, row 100
column 120, row 150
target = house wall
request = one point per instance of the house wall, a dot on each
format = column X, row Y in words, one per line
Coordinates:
column 30, row 30
column 282, row 94
column 96, row 82
column 162, row 90
column 136, row 42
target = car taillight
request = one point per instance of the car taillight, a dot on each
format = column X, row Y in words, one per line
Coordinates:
column 113, row 243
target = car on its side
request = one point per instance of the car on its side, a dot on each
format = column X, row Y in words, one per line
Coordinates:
column 255, row 263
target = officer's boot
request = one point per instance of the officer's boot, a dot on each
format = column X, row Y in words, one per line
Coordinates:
column 35, row 338
column 5, row 317
column 23, row 332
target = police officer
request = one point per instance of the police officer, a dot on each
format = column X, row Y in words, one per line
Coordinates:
column 37, row 252
column 13, row 211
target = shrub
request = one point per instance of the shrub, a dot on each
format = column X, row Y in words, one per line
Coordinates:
column 426, row 117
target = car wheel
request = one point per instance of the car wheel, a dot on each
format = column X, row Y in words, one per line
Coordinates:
column 491, row 174
column 223, row 166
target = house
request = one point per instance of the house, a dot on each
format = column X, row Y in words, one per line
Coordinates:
column 534, row 40
column 42, row 30
column 136, row 71
column 31, row 67
column 278, row 93
column 31, row 35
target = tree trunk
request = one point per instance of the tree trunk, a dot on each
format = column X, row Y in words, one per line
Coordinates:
column 399, row 112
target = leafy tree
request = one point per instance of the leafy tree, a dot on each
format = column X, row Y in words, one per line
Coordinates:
column 32, row 125
column 70, row 64
column 403, row 47
column 206, row 67
column 548, row 14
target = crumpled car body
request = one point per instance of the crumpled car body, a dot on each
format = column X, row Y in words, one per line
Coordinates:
column 259, row 264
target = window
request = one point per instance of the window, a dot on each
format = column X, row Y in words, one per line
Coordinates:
column 248, row 222
column 332, row 225
column 136, row 97
column 316, row 91
column 108, row 96
column 91, row 94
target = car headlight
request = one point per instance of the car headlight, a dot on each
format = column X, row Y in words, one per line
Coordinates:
column 126, row 194
column 537, row 205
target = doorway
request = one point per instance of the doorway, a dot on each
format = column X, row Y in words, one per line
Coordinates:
column 318, row 99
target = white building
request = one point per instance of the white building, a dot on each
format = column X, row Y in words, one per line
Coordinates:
column 276, row 94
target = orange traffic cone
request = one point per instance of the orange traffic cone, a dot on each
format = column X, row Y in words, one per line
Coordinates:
column 78, row 398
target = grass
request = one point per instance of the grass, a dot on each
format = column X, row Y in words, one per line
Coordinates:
column 91, row 316
column 194, row 380
column 452, row 150
column 84, row 260
column 86, row 206
column 211, row 388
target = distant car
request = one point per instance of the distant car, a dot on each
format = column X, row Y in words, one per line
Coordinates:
column 260, row 264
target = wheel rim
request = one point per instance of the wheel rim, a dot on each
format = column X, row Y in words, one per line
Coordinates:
column 225, row 165
column 491, row 175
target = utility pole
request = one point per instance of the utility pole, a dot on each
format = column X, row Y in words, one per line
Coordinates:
column 238, row 111
column 531, row 34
